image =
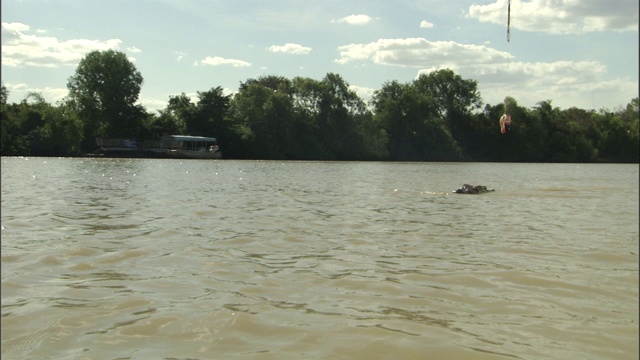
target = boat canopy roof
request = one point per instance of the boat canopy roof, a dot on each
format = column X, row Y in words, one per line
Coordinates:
column 188, row 138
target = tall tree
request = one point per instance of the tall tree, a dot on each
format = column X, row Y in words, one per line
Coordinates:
column 262, row 111
column 104, row 91
column 13, row 140
column 4, row 118
column 450, row 92
column 182, row 110
column 415, row 116
column 4, row 95
column 399, row 111
column 210, row 112
column 339, row 108
column 452, row 97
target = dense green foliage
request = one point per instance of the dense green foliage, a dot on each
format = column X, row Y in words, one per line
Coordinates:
column 103, row 93
column 437, row 117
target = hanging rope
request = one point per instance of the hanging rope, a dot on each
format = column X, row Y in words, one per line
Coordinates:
column 508, row 20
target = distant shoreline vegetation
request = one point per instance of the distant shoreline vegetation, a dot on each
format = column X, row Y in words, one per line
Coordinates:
column 437, row 117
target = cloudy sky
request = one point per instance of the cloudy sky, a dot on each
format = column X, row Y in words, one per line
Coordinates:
column 581, row 53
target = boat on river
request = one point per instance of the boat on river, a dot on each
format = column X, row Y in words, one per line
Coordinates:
column 169, row 146
column 184, row 147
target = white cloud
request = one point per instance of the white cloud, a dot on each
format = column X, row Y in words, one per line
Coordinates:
column 580, row 94
column 153, row 104
column 218, row 61
column 226, row 91
column 545, row 74
column 419, row 52
column 359, row 19
column 561, row 17
column 365, row 93
column 21, row 91
column 134, row 50
column 179, row 55
column 498, row 73
column 15, row 27
column 426, row 25
column 567, row 83
column 22, row 49
column 289, row 48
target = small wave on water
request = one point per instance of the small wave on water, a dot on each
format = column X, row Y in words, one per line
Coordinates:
column 294, row 260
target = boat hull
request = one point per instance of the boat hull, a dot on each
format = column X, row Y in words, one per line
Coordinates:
column 194, row 154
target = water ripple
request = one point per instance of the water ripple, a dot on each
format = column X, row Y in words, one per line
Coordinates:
column 121, row 258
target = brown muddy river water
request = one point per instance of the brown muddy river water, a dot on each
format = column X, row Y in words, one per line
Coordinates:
column 169, row 259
